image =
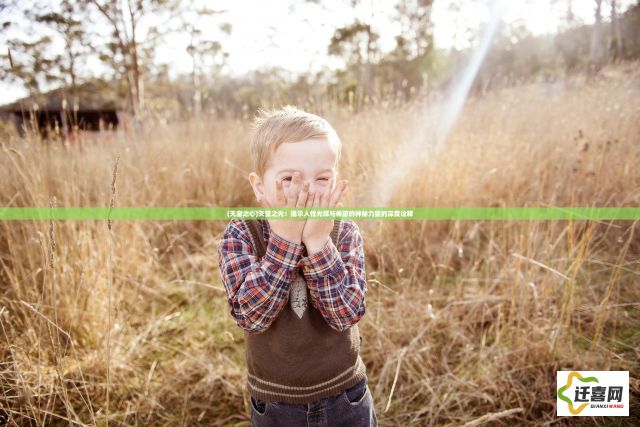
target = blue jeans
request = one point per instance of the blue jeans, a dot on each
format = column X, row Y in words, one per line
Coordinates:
column 351, row 408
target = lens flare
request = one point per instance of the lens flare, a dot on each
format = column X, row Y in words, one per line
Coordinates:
column 436, row 122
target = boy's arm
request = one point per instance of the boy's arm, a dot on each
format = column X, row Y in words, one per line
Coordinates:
column 337, row 279
column 256, row 289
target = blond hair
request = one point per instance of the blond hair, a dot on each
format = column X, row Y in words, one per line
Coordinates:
column 287, row 124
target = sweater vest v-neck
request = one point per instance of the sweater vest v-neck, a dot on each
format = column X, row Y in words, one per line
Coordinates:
column 300, row 360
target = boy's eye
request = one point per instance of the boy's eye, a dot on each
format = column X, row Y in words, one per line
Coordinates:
column 288, row 178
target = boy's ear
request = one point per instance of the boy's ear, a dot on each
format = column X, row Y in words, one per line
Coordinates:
column 257, row 185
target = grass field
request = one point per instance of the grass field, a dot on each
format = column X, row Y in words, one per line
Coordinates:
column 466, row 321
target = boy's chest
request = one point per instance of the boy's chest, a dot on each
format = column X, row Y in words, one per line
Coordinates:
column 299, row 292
column 299, row 295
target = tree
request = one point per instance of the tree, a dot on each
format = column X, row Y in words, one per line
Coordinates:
column 204, row 53
column 125, row 18
column 616, row 35
column 68, row 23
column 596, row 52
column 356, row 44
column 412, row 55
column 416, row 35
column 28, row 60
column 29, row 65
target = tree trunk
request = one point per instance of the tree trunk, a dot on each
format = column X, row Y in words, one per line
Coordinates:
column 135, row 67
column 596, row 54
column 616, row 37
column 118, row 34
column 369, row 67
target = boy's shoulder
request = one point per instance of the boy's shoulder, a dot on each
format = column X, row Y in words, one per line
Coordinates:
column 238, row 227
column 236, row 237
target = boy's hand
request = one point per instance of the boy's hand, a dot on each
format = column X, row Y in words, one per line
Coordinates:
column 317, row 231
column 296, row 197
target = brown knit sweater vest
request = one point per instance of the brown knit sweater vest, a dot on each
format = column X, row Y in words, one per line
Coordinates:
column 300, row 360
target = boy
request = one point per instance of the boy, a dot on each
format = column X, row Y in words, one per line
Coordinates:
column 297, row 287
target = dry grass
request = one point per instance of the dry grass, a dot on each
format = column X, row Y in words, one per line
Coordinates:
column 466, row 322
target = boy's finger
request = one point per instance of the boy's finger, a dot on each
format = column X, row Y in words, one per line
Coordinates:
column 338, row 193
column 310, row 199
column 303, row 195
column 292, row 191
column 331, row 186
column 312, row 195
column 280, row 199
column 326, row 197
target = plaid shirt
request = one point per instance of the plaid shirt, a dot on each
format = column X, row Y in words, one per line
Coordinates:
column 258, row 289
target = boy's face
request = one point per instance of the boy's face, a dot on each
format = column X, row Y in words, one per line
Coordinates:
column 314, row 159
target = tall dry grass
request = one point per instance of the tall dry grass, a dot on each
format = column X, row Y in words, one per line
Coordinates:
column 466, row 322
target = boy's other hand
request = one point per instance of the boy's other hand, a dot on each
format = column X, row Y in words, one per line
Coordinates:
column 316, row 231
column 296, row 197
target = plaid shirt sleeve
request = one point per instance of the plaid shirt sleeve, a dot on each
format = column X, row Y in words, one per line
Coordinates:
column 257, row 290
column 336, row 278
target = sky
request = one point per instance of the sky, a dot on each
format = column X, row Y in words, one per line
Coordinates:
column 295, row 34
